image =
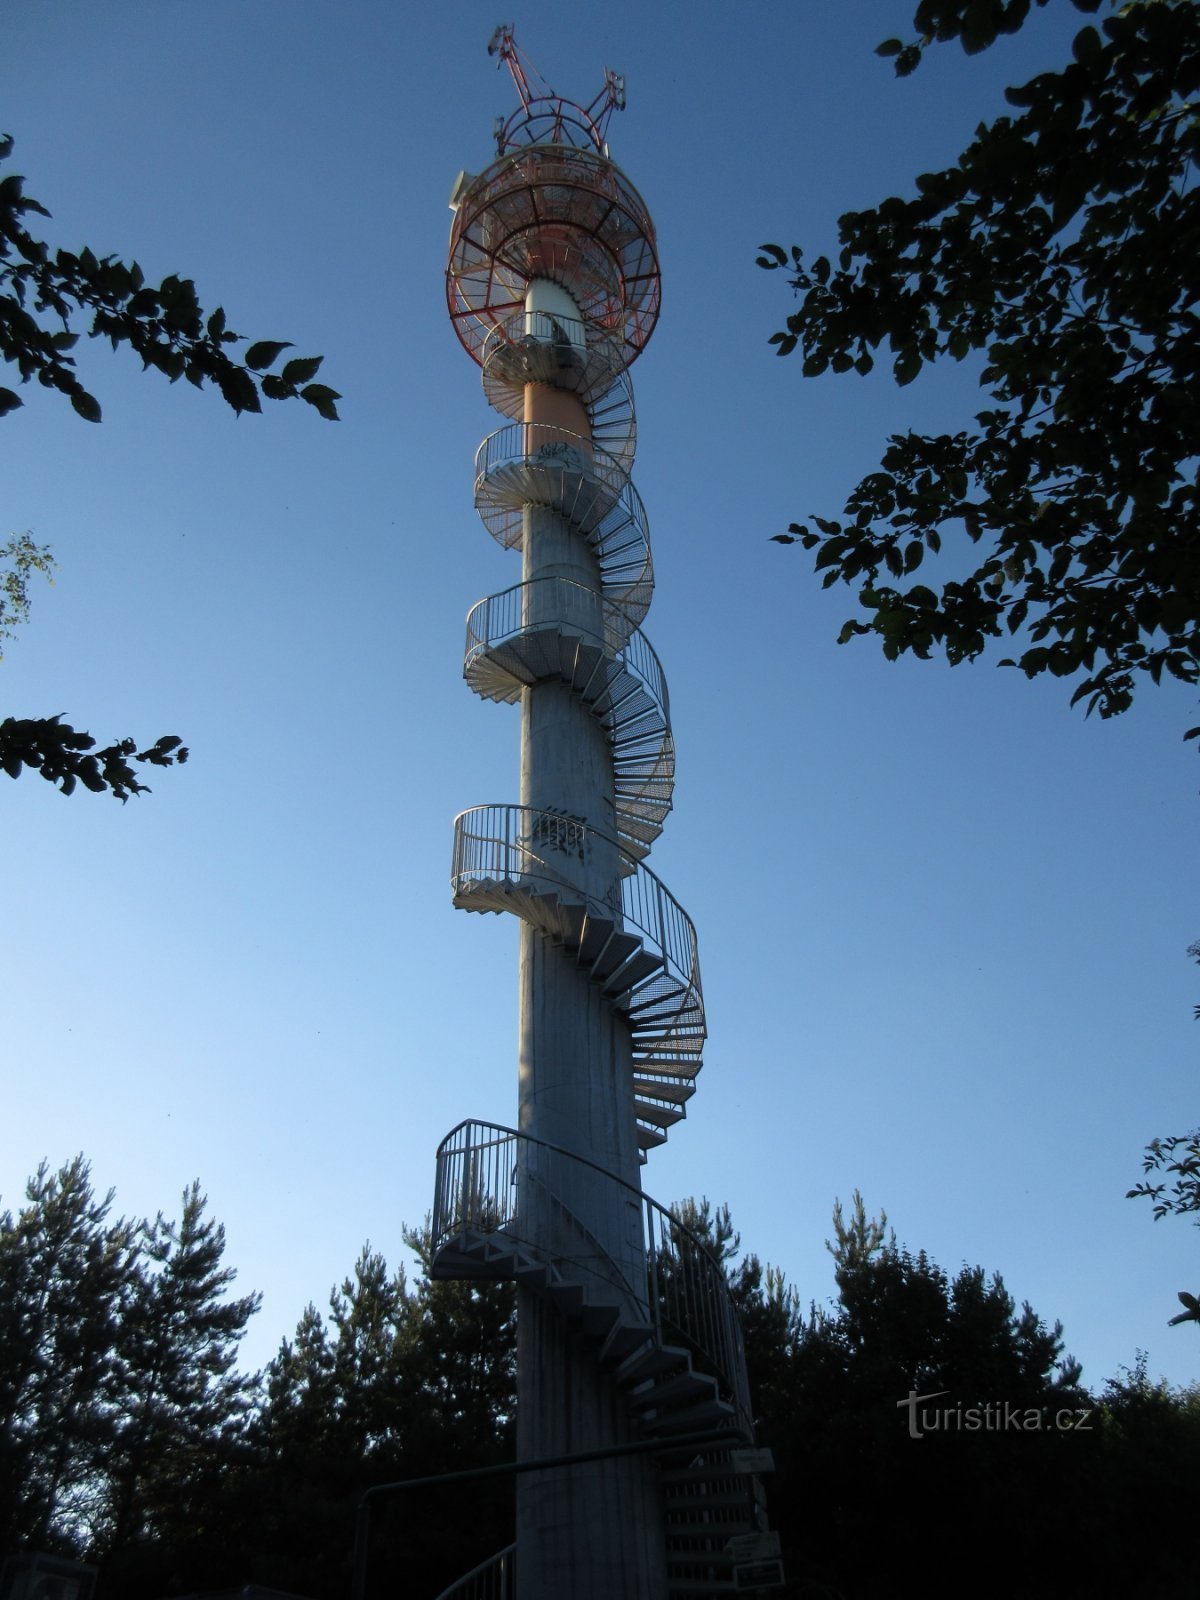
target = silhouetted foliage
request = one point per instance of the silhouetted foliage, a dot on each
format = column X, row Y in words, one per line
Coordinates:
column 21, row 557
column 1061, row 249
column 43, row 295
column 1177, row 1157
column 67, row 757
column 119, row 1407
column 398, row 1383
column 127, row 1436
column 65, row 1272
column 42, row 290
column 1008, row 1478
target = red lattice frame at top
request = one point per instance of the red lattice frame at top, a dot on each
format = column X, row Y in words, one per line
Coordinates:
column 556, row 212
column 553, row 206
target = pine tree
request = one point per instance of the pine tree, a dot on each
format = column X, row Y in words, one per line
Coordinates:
column 183, row 1404
column 66, row 1275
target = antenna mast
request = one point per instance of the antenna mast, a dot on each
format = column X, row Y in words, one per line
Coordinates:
column 545, row 117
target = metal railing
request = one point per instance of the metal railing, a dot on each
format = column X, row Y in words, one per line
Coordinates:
column 541, row 463
column 688, row 1296
column 561, row 602
column 609, row 259
column 569, row 607
column 516, row 845
column 493, row 1579
column 586, row 358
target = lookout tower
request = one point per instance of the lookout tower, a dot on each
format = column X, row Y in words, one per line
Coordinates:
column 626, row 1330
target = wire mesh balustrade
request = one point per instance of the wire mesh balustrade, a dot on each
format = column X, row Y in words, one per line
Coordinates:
column 508, row 217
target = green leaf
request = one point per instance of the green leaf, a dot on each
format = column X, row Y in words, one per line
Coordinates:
column 322, row 399
column 87, row 407
column 908, row 60
column 261, row 355
column 9, row 401
column 302, row 369
column 1088, row 47
column 908, row 364
column 774, row 250
column 239, row 391
column 889, row 47
column 979, row 26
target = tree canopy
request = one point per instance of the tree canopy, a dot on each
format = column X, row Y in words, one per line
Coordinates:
column 43, row 292
column 117, row 1350
column 128, row 1437
column 1058, row 254
column 46, row 296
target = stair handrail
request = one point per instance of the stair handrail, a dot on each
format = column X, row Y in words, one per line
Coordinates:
column 498, row 618
column 647, row 905
column 585, row 358
column 689, row 1294
column 498, row 1584
column 549, row 444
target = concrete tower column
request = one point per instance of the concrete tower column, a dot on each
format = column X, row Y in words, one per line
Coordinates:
column 595, row 1532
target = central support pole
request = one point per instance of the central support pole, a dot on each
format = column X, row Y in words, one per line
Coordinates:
column 593, row 1532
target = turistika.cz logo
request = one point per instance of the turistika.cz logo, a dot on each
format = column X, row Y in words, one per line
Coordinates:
column 998, row 1416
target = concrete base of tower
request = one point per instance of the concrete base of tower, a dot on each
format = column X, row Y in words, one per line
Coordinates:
column 593, row 1532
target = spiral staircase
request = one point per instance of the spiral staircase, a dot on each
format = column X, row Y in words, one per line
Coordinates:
column 666, row 1331
column 681, row 1365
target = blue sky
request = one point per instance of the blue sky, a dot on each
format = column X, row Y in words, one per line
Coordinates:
column 943, row 919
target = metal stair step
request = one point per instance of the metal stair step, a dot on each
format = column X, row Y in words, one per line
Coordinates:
column 679, row 1090
column 718, row 1530
column 650, row 1362
column 658, row 1116
column 598, row 1319
column 683, row 1388
column 623, row 1339
column 708, row 1414
column 649, row 1138
column 640, row 965
column 615, row 953
column 653, row 1004
column 596, row 933
column 568, row 1297
column 679, row 1559
column 700, row 1494
column 687, row 1041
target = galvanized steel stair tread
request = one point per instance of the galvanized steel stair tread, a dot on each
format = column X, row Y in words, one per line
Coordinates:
column 625, row 969
column 638, row 727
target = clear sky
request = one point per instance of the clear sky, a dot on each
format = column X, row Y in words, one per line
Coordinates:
column 943, row 919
